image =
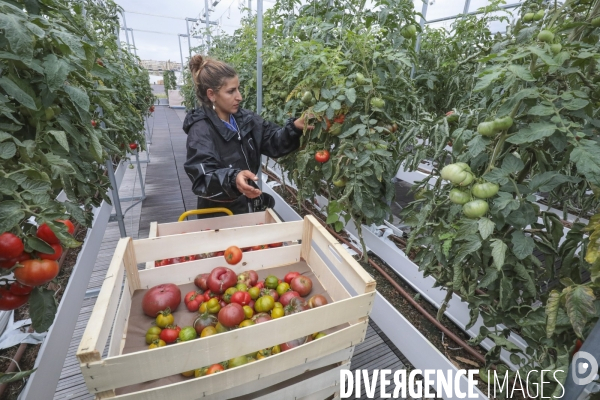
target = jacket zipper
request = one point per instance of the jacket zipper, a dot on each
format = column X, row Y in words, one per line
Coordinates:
column 242, row 147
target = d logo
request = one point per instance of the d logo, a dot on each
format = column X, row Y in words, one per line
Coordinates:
column 584, row 368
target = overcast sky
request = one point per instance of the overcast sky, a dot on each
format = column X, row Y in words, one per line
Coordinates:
column 156, row 35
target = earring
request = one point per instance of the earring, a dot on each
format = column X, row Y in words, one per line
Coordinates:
column 214, row 106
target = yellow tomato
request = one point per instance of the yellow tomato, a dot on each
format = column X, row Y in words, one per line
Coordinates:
column 248, row 312
column 246, row 322
column 277, row 313
column 208, row 331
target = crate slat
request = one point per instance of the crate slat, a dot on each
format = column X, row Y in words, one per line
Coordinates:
column 357, row 277
column 170, row 360
column 210, row 241
column 328, row 280
column 97, row 330
column 248, row 378
column 182, row 273
column 117, row 341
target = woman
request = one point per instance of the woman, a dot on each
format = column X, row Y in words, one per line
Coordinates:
column 225, row 142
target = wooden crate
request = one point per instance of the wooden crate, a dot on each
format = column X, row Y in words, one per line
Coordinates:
column 318, row 249
column 197, row 225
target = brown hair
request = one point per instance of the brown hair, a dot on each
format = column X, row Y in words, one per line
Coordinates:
column 209, row 73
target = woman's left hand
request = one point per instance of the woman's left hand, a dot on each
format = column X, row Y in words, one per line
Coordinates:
column 300, row 122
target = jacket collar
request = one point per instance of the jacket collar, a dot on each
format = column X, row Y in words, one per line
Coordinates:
column 242, row 117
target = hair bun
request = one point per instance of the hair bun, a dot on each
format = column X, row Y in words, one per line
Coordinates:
column 196, row 62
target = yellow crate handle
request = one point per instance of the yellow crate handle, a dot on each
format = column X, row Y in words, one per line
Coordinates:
column 204, row 211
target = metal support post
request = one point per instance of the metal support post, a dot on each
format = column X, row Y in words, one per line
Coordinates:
column 180, row 52
column 206, row 19
column 259, row 70
column 466, row 8
column 115, row 197
column 249, row 6
column 187, row 25
column 126, row 30
column 418, row 45
column 133, row 41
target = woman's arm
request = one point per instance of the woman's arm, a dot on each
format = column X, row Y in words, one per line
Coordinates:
column 278, row 141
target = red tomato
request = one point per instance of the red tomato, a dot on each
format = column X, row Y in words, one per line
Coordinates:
column 19, row 289
column 193, row 300
column 69, row 224
column 11, row 262
column 161, row 297
column 170, row 334
column 133, row 146
column 151, row 109
column 289, row 276
column 302, row 285
column 11, row 246
column 10, row 301
column 94, row 123
column 36, row 272
column 273, row 245
column 241, row 298
column 45, row 233
column 231, row 315
column 58, row 250
column 260, row 247
column 233, row 255
column 340, row 119
column 214, row 369
column 322, row 156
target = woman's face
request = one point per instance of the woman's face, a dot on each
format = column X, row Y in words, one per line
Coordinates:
column 227, row 100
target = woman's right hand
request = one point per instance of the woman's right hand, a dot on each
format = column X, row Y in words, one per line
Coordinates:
column 242, row 185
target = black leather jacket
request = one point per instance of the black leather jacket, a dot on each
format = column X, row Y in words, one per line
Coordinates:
column 215, row 154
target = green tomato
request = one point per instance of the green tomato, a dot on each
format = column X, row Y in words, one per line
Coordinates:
column 528, row 17
column 485, row 190
column 336, row 129
column 539, row 15
column 502, row 124
column 307, row 98
column 421, row 194
column 475, row 208
column 486, row 129
column 153, row 334
column 377, row 102
column 237, row 361
column 49, row 113
column 264, row 304
column 458, row 174
column 340, row 182
column 555, row 48
column 409, row 31
column 271, row 282
column 360, row 79
column 545, row 36
column 596, row 22
column 457, row 196
column 187, row 333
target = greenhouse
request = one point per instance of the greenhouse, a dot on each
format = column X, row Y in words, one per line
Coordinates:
column 299, row 199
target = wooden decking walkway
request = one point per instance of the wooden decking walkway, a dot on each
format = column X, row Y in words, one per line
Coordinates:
column 168, row 195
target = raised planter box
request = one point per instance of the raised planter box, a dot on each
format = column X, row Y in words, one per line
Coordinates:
column 197, row 225
column 345, row 317
column 53, row 350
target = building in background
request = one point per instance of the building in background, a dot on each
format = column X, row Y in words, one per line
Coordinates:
column 157, row 67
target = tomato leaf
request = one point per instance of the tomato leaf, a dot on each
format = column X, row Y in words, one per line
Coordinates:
column 580, row 306
column 497, row 175
column 504, row 342
column 8, row 377
column 56, row 71
column 490, row 276
column 78, row 96
column 11, row 213
column 20, row 40
column 541, row 110
column 522, row 245
column 521, row 72
column 587, row 158
column 7, row 150
column 42, row 308
column 552, row 312
column 12, row 89
column 547, row 181
column 526, row 278
column 477, row 145
column 535, row 131
column 498, row 253
column 486, row 227
column 351, row 95
column 512, row 164
column 61, row 138
column 39, row 245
